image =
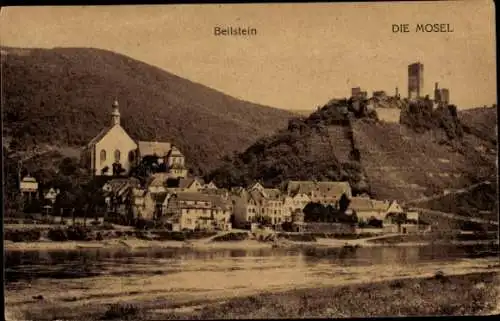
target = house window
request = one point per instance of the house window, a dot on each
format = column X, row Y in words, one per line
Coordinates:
column 117, row 155
column 131, row 156
column 103, row 156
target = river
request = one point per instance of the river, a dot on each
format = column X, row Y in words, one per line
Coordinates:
column 80, row 278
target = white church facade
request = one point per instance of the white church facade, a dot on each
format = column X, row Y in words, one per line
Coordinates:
column 114, row 152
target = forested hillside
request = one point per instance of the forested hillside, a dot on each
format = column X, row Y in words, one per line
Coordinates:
column 63, row 97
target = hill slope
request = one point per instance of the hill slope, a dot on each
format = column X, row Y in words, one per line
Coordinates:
column 63, row 96
column 430, row 152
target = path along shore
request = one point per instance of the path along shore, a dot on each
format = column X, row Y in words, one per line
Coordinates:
column 208, row 244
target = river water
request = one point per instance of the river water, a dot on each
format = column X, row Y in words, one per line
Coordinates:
column 81, row 278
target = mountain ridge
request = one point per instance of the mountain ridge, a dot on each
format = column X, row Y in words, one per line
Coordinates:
column 41, row 84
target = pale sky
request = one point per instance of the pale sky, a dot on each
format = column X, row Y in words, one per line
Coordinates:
column 302, row 56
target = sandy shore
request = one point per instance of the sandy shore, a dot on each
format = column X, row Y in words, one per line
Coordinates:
column 91, row 296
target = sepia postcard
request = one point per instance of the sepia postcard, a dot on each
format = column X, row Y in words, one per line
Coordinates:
column 250, row 161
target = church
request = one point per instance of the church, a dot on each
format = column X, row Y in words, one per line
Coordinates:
column 113, row 152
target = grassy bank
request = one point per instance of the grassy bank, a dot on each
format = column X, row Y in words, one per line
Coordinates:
column 442, row 295
column 469, row 294
column 406, row 238
column 96, row 233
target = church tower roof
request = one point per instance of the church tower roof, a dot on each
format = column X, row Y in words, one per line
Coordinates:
column 115, row 120
column 115, row 114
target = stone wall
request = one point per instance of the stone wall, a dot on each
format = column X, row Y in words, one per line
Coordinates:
column 328, row 228
column 389, row 115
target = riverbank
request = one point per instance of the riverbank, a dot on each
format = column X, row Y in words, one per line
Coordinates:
column 477, row 295
column 207, row 244
column 425, row 295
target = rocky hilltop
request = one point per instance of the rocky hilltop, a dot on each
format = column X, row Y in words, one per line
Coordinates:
column 430, row 150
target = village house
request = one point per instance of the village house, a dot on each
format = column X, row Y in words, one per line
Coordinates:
column 138, row 203
column 323, row 192
column 116, row 194
column 157, row 183
column 298, row 220
column 257, row 203
column 162, row 182
column 113, row 152
column 296, row 202
column 158, row 149
column 191, row 184
column 28, row 188
column 239, row 201
column 51, row 195
column 49, row 199
column 367, row 208
column 195, row 211
column 210, row 185
column 392, row 221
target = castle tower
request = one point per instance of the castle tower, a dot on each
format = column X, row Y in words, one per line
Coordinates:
column 115, row 114
column 437, row 97
column 415, row 80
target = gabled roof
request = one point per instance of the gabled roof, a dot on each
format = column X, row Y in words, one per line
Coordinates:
column 157, row 179
column 256, row 185
column 50, row 193
column 256, row 195
column 211, row 183
column 138, row 192
column 192, row 196
column 237, row 190
column 159, row 197
column 29, row 179
column 103, row 133
column 159, row 149
column 200, row 180
column 219, row 202
column 380, row 205
column 99, row 136
column 395, row 208
column 120, row 185
column 174, row 151
column 326, row 188
column 187, row 182
column 272, row 193
column 51, row 190
column 361, row 204
column 301, row 195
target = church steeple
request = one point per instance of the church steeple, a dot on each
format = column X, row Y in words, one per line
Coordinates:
column 115, row 114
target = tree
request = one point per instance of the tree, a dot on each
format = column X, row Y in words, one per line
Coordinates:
column 315, row 212
column 65, row 200
column 172, row 182
column 68, row 166
column 34, row 206
column 287, row 226
column 118, row 169
column 397, row 218
column 264, row 220
column 344, row 203
column 373, row 222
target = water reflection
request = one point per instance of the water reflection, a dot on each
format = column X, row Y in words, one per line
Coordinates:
column 92, row 262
